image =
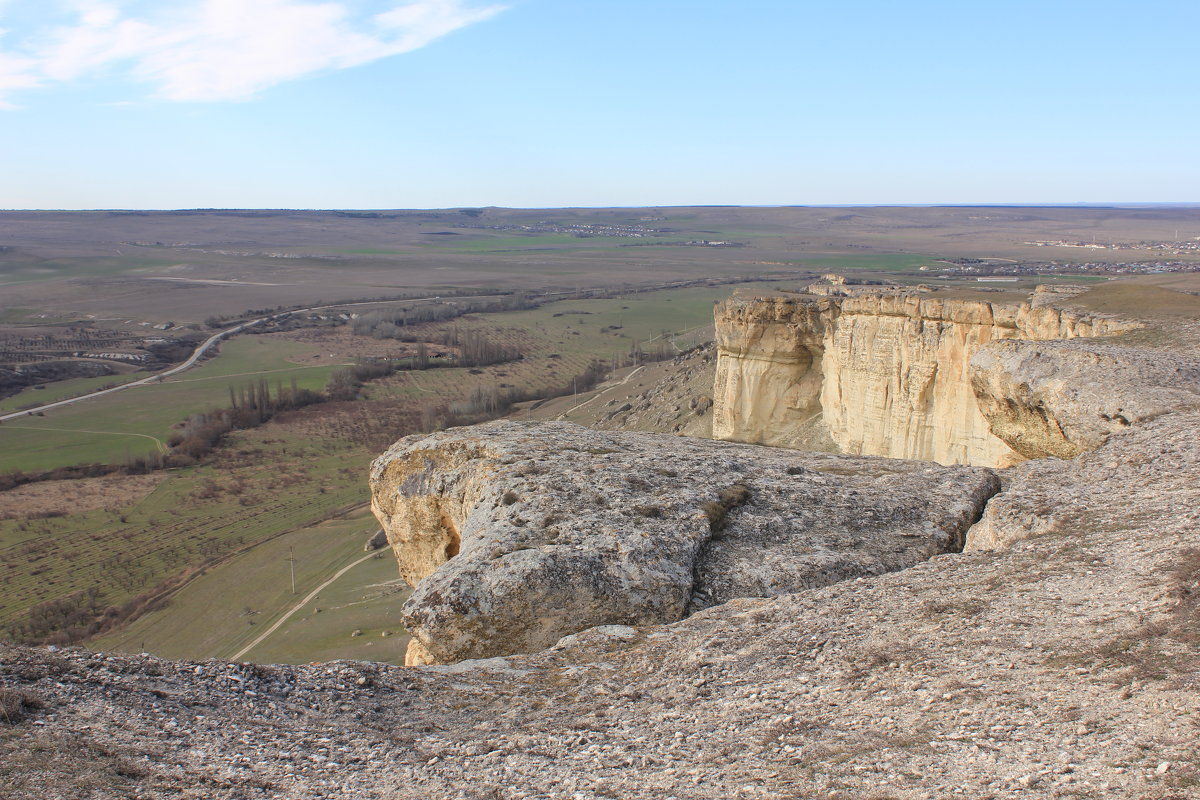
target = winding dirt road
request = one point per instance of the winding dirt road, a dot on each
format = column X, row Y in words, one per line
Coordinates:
column 291, row 611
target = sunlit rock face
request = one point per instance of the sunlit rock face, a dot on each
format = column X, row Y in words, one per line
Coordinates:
column 883, row 372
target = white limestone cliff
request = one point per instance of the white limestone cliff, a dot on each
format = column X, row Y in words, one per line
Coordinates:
column 882, row 372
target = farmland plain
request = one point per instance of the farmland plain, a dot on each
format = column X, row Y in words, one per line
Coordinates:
column 295, row 482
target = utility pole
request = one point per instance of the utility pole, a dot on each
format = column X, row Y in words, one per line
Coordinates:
column 292, row 563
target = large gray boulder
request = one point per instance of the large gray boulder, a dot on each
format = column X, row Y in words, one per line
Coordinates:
column 517, row 534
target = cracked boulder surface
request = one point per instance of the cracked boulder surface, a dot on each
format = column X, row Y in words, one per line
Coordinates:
column 515, row 535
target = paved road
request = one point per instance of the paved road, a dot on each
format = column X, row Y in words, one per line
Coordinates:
column 208, row 344
column 196, row 355
column 211, row 341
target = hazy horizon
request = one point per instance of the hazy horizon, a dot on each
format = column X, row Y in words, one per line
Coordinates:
column 1079, row 204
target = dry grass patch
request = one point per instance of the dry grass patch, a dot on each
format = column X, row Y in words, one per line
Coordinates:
column 15, row 705
column 1185, row 588
column 52, row 498
column 728, row 499
column 1130, row 298
column 1164, row 648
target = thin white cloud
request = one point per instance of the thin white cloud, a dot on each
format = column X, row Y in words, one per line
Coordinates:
column 16, row 74
column 206, row 50
column 100, row 37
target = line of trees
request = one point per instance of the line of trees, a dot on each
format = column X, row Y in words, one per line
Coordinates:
column 346, row 382
column 476, row 349
column 249, row 407
column 390, row 324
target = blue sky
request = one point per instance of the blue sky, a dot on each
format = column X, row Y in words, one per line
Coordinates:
column 438, row 103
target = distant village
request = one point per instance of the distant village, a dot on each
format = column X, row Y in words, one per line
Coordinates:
column 988, row 267
column 585, row 231
column 578, row 229
column 1176, row 248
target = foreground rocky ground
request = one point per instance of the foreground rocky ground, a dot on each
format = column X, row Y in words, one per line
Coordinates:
column 1065, row 665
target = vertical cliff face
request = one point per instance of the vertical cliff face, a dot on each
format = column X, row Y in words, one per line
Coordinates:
column 770, row 373
column 423, row 500
column 880, row 373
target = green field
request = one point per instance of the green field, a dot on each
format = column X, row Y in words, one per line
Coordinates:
column 107, row 429
column 61, row 390
column 11, row 315
column 196, row 514
column 112, row 428
column 35, row 271
column 226, row 608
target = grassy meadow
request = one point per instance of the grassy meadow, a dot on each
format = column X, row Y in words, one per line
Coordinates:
column 259, row 486
column 110, row 428
column 223, row 610
column 61, row 390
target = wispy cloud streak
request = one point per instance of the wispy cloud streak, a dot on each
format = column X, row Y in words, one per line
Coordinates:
column 211, row 50
column 16, row 74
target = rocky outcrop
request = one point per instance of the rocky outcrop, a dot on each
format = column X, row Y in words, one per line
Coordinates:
column 676, row 397
column 517, row 534
column 1065, row 398
column 885, row 372
column 1152, row 468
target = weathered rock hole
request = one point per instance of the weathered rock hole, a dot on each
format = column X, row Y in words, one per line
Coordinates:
column 454, row 538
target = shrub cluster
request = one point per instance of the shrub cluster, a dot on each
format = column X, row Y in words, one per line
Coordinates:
column 729, row 498
column 249, row 407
